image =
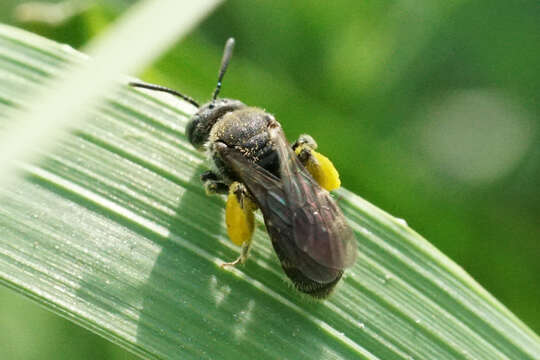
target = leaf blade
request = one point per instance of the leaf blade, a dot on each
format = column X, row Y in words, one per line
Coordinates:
column 113, row 231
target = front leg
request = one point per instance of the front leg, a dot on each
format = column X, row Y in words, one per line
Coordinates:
column 213, row 183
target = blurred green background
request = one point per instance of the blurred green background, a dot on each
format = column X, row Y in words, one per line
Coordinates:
column 430, row 109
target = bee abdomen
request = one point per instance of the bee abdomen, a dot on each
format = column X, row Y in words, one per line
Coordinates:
column 308, row 286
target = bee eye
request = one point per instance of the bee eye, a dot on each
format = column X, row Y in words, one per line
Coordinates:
column 211, row 106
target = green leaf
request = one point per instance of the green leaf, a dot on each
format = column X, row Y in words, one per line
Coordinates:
column 112, row 230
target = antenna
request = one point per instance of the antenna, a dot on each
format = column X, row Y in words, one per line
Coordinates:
column 164, row 89
column 227, row 54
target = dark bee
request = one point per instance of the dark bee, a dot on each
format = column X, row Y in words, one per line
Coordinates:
column 255, row 165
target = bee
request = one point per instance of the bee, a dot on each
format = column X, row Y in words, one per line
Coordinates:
column 257, row 168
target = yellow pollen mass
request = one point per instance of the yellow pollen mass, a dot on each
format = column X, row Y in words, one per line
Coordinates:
column 322, row 170
column 239, row 217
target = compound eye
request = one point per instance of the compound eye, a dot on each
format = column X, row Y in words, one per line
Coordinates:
column 190, row 129
column 211, row 106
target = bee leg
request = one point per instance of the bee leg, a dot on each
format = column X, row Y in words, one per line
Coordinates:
column 304, row 147
column 318, row 165
column 305, row 156
column 305, row 140
column 216, row 187
column 240, row 220
column 213, row 184
column 246, row 246
column 209, row 175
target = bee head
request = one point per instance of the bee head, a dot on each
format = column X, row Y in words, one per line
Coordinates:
column 201, row 123
column 198, row 128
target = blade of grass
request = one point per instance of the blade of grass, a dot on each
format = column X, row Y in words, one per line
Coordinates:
column 113, row 231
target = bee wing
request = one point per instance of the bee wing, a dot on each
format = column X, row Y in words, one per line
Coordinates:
column 271, row 198
column 319, row 227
